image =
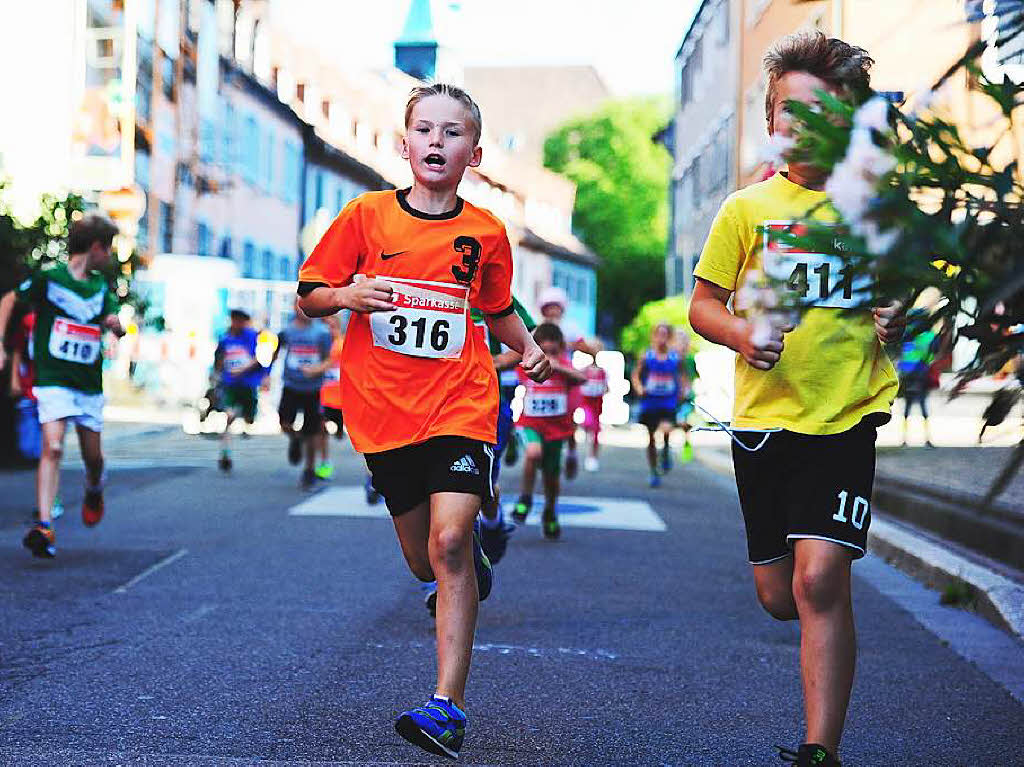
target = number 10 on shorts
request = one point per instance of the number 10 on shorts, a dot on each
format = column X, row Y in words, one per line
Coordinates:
column 858, row 513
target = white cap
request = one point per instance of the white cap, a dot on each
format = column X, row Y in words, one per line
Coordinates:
column 553, row 295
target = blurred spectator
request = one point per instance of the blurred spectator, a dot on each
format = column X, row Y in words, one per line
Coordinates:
column 917, row 371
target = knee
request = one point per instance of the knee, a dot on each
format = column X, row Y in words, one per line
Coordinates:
column 777, row 602
column 533, row 452
column 820, row 588
column 448, row 547
column 53, row 451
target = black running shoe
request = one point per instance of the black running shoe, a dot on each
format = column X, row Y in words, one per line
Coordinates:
column 549, row 521
column 572, row 465
column 294, row 450
column 372, row 496
column 225, row 463
column 495, row 540
column 41, row 541
column 431, row 602
column 308, row 480
column 809, row 755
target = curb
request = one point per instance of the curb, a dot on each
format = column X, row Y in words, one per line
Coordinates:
column 996, row 597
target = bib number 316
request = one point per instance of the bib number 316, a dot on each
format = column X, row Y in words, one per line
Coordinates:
column 429, row 321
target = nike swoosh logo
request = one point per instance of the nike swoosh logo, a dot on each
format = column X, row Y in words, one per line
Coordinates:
column 385, row 256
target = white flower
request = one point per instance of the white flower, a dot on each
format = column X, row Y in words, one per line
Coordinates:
column 775, row 149
column 872, row 114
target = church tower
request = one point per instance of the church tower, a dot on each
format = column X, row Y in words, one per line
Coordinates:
column 416, row 50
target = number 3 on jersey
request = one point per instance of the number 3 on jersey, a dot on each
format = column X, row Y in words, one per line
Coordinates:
column 430, row 320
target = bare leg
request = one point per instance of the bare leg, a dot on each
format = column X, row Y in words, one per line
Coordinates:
column 92, row 455
column 451, row 558
column 828, row 643
column 310, row 444
column 774, row 582
column 652, row 450
column 413, row 529
column 48, row 475
column 531, row 460
column 595, row 445
column 551, row 487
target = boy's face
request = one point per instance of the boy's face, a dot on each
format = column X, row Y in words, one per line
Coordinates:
column 99, row 255
column 660, row 337
column 551, row 348
column 794, row 86
column 439, row 142
column 237, row 325
column 552, row 312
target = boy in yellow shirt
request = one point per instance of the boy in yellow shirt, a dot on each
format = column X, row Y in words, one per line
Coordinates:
column 825, row 388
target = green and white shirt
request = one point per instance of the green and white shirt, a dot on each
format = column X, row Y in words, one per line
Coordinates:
column 67, row 342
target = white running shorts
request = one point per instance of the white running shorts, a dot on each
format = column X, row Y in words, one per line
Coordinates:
column 57, row 403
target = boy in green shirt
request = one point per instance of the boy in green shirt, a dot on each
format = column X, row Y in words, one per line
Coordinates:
column 73, row 307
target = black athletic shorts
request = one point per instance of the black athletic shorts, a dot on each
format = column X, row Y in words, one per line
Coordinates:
column 308, row 402
column 333, row 415
column 654, row 417
column 805, row 486
column 407, row 476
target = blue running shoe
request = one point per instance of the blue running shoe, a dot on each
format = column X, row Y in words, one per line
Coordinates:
column 482, row 565
column 495, row 540
column 438, row 726
column 655, row 480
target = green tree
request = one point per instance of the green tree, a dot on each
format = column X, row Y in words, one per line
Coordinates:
column 621, row 209
column 636, row 336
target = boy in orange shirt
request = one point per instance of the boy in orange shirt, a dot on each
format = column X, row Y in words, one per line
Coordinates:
column 420, row 391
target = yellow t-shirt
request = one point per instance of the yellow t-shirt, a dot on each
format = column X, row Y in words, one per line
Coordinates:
column 833, row 371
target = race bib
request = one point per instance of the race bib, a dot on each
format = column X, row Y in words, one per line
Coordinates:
column 302, row 356
column 593, row 389
column 332, row 374
column 545, row 404
column 813, row 279
column 430, row 320
column 660, row 384
column 74, row 342
column 236, row 359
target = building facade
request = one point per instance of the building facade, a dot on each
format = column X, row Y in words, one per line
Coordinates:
column 703, row 139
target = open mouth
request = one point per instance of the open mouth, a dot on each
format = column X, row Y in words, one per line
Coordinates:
column 434, row 160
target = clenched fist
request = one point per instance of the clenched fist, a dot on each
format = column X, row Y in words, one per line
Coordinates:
column 536, row 363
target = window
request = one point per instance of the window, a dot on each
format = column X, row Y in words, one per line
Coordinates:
column 142, row 238
column 270, row 155
column 268, row 265
column 166, row 232
column 203, row 239
column 227, row 150
column 318, row 197
column 144, row 82
column 142, row 168
column 207, row 139
column 250, row 159
column 285, row 270
column 291, row 173
column 226, row 250
column 248, row 258
column 167, row 75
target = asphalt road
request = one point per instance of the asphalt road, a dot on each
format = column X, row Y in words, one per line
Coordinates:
column 202, row 624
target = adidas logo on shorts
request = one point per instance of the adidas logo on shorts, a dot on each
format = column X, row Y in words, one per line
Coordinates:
column 465, row 464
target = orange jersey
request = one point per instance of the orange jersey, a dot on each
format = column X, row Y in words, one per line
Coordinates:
column 420, row 371
column 330, row 392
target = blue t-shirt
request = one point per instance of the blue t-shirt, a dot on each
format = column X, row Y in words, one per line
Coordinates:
column 660, row 378
column 303, row 347
column 238, row 352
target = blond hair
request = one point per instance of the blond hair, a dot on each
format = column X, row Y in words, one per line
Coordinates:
column 416, row 95
column 841, row 65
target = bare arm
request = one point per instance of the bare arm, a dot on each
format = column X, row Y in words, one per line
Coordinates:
column 365, row 297
column 506, row 360
column 574, row 376
column 710, row 316
column 113, row 323
column 635, row 379
column 6, row 306
column 15, row 369
column 511, row 331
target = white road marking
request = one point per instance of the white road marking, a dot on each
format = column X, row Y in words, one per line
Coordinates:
column 507, row 649
column 573, row 511
column 150, row 570
column 200, row 612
